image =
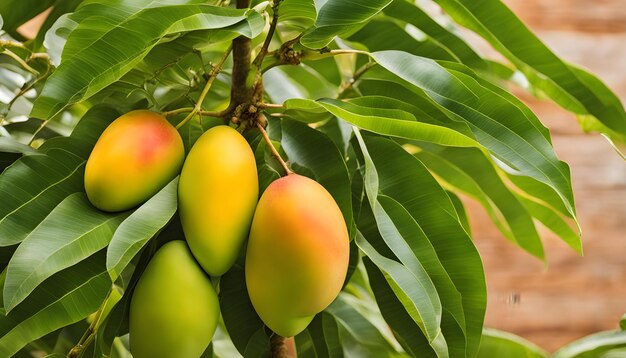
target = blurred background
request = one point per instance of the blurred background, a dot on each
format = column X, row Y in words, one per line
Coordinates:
column 572, row 296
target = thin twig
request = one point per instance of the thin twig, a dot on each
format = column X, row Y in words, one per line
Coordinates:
column 19, row 60
column 357, row 74
column 258, row 60
column 214, row 72
column 273, row 150
column 270, row 105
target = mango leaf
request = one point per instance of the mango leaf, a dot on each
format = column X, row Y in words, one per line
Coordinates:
column 51, row 176
column 416, row 294
column 98, row 62
column 10, row 145
column 498, row 124
column 362, row 330
column 596, row 345
column 571, row 87
column 375, row 36
column 468, row 170
column 143, row 224
column 414, row 15
column 73, row 231
column 554, row 222
column 405, row 329
column 397, row 124
column 321, row 338
column 61, row 300
column 404, row 179
column 244, row 326
column 503, row 344
column 297, row 14
column 337, row 17
column 393, row 227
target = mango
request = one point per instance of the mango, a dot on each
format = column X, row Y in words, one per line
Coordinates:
column 174, row 310
column 217, row 193
column 297, row 254
column 135, row 157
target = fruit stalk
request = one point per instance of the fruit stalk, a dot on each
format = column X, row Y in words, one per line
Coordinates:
column 273, row 150
column 278, row 349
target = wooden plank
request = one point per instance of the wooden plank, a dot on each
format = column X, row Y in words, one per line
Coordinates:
column 572, row 15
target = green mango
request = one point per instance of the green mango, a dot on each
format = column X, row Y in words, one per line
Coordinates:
column 174, row 310
column 134, row 158
column 217, row 193
column 297, row 255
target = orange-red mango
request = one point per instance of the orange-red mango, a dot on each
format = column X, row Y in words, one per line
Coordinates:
column 134, row 158
column 297, row 254
column 217, row 193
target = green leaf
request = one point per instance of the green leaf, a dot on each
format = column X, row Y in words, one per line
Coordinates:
column 403, row 326
column 324, row 333
column 503, row 344
column 416, row 293
column 400, row 232
column 408, row 12
column 50, row 178
column 376, row 34
column 73, row 231
column 468, row 170
column 555, row 223
column 92, row 61
column 595, row 345
column 405, row 127
column 363, row 331
column 244, row 326
column 315, row 153
column 16, row 12
column 498, row 124
column 61, row 300
column 569, row 86
column 10, row 145
column 143, row 224
column 405, row 179
column 461, row 212
column 337, row 17
column 297, row 14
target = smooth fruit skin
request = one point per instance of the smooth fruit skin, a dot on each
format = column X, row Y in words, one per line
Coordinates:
column 134, row 158
column 297, row 255
column 217, row 194
column 174, row 310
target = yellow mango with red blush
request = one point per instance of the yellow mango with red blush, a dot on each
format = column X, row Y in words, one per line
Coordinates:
column 135, row 157
column 217, row 193
column 297, row 255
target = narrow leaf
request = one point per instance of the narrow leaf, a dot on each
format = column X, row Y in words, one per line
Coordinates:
column 143, row 224
column 73, row 231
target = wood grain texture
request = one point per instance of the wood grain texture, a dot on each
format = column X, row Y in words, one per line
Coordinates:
column 573, row 296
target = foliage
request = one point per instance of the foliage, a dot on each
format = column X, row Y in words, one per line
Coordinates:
column 383, row 102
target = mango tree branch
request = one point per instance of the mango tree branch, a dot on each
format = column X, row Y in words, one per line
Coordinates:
column 355, row 77
column 215, row 70
column 258, row 60
column 273, row 149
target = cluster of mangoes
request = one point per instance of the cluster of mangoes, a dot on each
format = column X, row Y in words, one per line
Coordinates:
column 297, row 251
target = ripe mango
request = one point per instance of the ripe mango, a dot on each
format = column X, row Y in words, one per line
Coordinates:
column 217, row 194
column 134, row 158
column 174, row 310
column 297, row 255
